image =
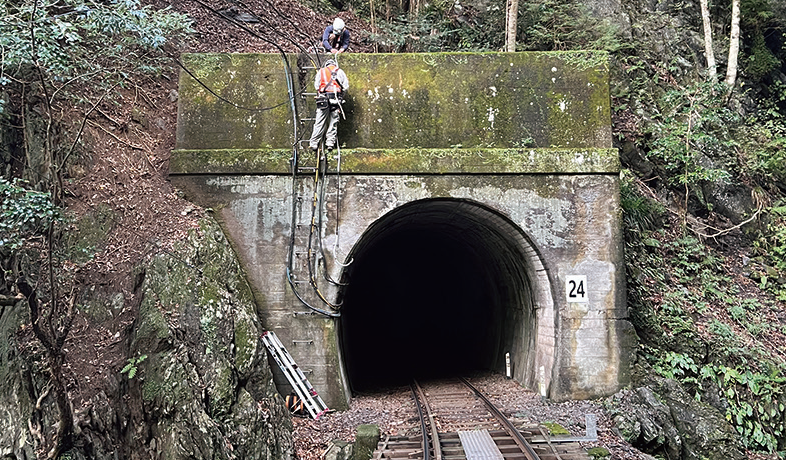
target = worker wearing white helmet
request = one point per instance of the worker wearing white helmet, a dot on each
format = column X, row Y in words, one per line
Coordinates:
column 335, row 38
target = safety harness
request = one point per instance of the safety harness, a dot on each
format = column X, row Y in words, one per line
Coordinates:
column 327, row 80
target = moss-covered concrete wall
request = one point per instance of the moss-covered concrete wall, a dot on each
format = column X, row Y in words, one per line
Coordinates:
column 517, row 102
column 226, row 100
column 526, row 136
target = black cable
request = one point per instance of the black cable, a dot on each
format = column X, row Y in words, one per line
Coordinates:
column 319, row 186
column 223, row 99
column 320, row 237
column 290, row 89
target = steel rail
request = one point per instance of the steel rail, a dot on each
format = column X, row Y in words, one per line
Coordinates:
column 514, row 433
column 434, row 433
column 422, row 422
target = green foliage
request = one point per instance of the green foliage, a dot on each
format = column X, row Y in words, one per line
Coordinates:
column 474, row 25
column 691, row 139
column 764, row 137
column 677, row 366
column 755, row 400
column 478, row 25
column 598, row 452
column 131, row 368
column 24, row 214
column 70, row 42
column 772, row 245
column 760, row 61
column 752, row 384
column 548, row 25
column 640, row 214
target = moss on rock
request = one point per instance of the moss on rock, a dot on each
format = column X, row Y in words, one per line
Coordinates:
column 198, row 325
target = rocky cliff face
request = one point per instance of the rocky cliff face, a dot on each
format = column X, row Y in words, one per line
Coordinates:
column 196, row 383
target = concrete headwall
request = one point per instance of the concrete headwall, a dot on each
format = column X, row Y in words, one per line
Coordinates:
column 520, row 141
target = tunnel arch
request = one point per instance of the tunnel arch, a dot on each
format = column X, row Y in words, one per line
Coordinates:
column 472, row 276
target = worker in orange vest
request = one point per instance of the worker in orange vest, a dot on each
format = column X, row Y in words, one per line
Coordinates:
column 331, row 83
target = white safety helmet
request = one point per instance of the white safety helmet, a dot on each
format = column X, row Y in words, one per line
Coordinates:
column 338, row 25
column 330, row 62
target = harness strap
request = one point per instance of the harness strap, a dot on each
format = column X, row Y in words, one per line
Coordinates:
column 333, row 79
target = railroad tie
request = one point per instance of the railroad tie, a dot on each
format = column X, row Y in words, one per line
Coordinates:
column 478, row 445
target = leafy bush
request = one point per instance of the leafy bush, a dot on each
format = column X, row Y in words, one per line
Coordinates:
column 548, row 25
column 764, row 136
column 63, row 44
column 24, row 214
column 640, row 214
column 755, row 400
column 772, row 246
column 691, row 137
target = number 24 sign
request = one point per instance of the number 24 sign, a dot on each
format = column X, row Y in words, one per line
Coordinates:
column 576, row 288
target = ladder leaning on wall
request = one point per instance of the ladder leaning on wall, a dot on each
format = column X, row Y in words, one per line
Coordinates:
column 311, row 400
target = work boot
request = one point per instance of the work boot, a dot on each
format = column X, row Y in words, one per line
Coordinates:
column 313, row 149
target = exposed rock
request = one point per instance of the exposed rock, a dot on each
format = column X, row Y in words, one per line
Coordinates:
column 16, row 441
column 202, row 388
column 734, row 201
column 704, row 430
column 645, row 422
column 662, row 418
column 339, row 450
column 206, row 389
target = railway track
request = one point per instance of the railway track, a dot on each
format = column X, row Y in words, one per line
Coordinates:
column 459, row 423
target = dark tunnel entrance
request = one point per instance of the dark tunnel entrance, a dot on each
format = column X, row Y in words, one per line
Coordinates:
column 436, row 288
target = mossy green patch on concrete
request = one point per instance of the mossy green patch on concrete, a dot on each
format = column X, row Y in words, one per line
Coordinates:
column 366, row 439
column 230, row 161
column 437, row 161
column 426, row 101
column 235, row 101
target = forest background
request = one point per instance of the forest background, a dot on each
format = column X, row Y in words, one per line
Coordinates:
column 87, row 111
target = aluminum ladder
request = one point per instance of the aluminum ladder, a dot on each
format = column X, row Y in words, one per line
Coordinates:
column 311, row 400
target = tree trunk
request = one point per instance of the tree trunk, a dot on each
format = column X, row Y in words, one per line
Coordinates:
column 734, row 46
column 53, row 338
column 708, row 51
column 414, row 7
column 373, row 23
column 511, row 23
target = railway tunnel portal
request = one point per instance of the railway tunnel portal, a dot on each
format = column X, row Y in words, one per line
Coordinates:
column 451, row 280
column 471, row 214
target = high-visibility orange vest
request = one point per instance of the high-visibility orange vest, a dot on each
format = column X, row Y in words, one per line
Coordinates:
column 327, row 80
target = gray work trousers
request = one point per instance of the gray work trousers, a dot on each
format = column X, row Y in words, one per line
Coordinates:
column 325, row 119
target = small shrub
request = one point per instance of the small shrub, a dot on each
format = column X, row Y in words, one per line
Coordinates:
column 131, row 368
column 24, row 214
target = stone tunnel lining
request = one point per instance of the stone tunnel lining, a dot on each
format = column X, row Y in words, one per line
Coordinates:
column 486, row 265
